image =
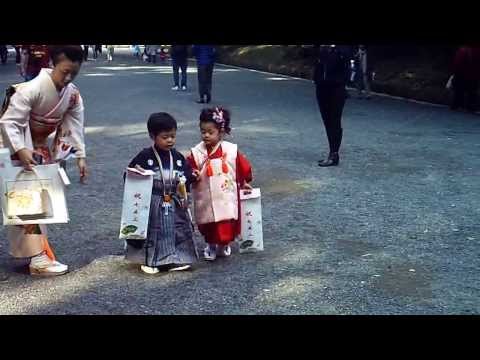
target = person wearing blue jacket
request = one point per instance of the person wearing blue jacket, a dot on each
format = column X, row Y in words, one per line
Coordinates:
column 205, row 55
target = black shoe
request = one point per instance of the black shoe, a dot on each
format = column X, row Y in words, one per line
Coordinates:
column 201, row 101
column 209, row 98
column 332, row 160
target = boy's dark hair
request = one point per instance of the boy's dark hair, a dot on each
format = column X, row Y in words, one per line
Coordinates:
column 218, row 116
column 72, row 52
column 159, row 122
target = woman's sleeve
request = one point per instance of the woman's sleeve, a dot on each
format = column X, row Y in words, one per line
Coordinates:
column 72, row 129
column 15, row 120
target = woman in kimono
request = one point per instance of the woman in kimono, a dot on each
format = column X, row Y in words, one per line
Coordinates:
column 169, row 244
column 48, row 104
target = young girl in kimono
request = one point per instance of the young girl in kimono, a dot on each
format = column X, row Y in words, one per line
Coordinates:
column 48, row 104
column 221, row 172
column 169, row 244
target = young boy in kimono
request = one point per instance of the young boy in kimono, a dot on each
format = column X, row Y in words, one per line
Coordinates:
column 48, row 104
column 169, row 244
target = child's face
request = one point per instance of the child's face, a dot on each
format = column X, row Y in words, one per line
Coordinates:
column 165, row 140
column 211, row 136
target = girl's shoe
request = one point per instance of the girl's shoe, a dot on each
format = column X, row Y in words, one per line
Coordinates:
column 224, row 251
column 210, row 252
column 149, row 270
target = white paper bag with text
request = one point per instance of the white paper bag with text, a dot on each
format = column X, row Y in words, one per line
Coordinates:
column 251, row 237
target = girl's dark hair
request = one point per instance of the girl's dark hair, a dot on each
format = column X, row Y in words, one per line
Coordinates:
column 212, row 115
column 72, row 52
column 160, row 122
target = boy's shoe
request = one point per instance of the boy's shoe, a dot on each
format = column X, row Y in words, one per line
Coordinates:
column 184, row 88
column 175, row 88
column 180, row 267
column 224, row 251
column 149, row 270
column 42, row 265
column 210, row 252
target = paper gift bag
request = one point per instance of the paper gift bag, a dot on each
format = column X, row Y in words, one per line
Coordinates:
column 136, row 204
column 26, row 196
column 251, row 237
column 50, row 186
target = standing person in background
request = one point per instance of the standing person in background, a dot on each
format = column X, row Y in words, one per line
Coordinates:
column 152, row 53
column 18, row 55
column 136, row 50
column 3, row 54
column 110, row 51
column 97, row 50
column 466, row 78
column 363, row 72
column 205, row 55
column 85, row 52
column 330, row 77
column 179, row 55
column 33, row 59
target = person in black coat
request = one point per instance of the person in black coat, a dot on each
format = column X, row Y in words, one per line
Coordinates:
column 330, row 77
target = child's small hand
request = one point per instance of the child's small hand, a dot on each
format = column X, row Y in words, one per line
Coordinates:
column 196, row 174
column 138, row 174
column 247, row 189
column 139, row 168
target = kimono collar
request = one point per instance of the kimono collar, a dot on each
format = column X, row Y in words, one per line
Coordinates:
column 162, row 152
column 47, row 73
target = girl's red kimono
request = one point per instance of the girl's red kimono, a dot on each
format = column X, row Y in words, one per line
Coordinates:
column 223, row 171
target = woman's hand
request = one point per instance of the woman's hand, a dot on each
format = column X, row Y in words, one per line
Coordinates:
column 82, row 167
column 26, row 158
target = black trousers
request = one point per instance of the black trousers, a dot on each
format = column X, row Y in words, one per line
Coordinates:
column 205, row 80
column 18, row 56
column 3, row 53
column 331, row 100
column 465, row 93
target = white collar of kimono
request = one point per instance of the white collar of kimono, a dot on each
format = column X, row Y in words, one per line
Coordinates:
column 48, row 73
column 204, row 149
